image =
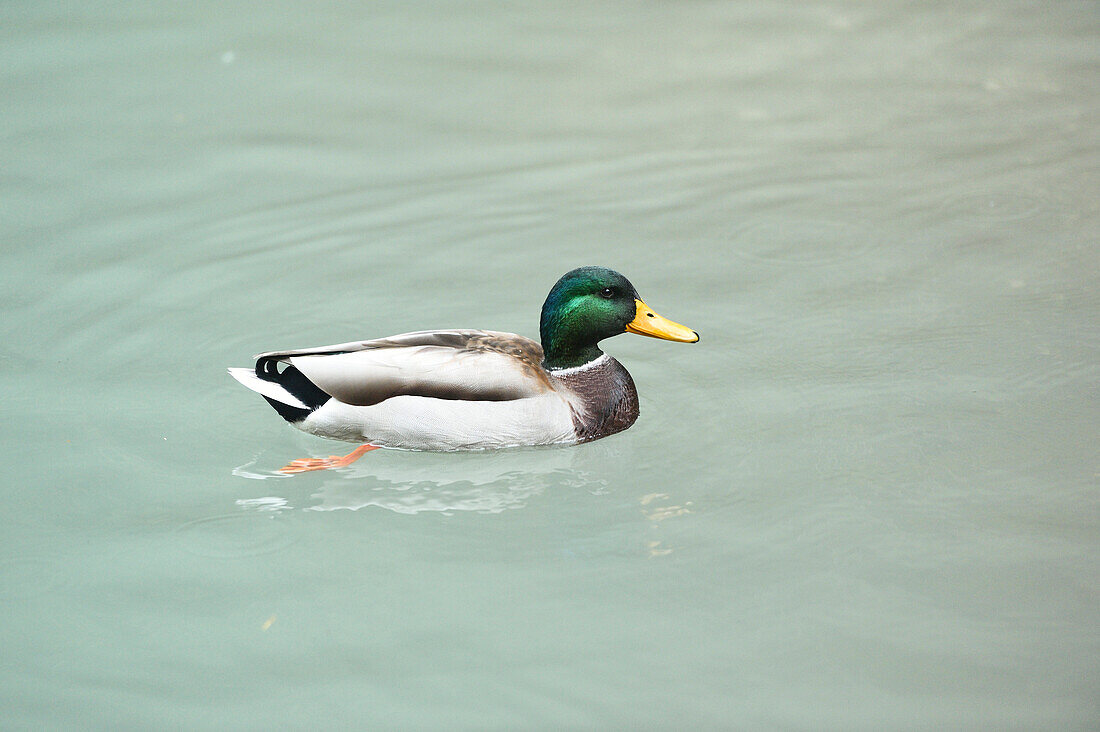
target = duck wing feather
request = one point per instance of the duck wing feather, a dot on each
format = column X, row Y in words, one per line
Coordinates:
column 471, row 365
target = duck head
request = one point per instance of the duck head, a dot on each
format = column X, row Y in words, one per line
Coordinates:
column 589, row 304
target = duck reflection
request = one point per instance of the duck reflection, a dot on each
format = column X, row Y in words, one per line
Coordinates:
column 410, row 483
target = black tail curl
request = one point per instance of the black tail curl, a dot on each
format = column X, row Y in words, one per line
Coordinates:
column 295, row 382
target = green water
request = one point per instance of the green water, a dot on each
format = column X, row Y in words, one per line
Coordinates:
column 867, row 499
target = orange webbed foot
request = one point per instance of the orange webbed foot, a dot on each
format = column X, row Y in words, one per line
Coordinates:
column 304, row 465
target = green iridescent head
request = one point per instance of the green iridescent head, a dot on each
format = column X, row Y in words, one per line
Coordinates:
column 589, row 304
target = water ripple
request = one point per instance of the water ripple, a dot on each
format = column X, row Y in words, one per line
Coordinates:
column 801, row 242
column 234, row 536
column 995, row 206
column 508, row 490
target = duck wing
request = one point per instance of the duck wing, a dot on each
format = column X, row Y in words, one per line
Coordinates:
column 471, row 365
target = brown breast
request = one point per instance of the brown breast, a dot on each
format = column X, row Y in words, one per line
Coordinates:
column 608, row 400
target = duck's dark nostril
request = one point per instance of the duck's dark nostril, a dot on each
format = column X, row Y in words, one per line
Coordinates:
column 649, row 315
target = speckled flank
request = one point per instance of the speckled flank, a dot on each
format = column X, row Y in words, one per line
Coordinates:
column 526, row 351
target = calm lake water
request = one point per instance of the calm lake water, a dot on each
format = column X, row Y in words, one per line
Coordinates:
column 867, row 499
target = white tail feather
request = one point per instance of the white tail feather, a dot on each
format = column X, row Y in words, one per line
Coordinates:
column 268, row 388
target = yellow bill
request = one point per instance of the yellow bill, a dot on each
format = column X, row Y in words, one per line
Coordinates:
column 648, row 323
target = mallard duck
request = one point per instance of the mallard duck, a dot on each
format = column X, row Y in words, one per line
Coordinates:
column 471, row 389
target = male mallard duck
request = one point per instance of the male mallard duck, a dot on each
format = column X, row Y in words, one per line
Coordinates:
column 471, row 389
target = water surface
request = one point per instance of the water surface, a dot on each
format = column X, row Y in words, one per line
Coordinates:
column 867, row 499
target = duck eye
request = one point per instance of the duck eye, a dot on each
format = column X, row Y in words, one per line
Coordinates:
column 607, row 293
